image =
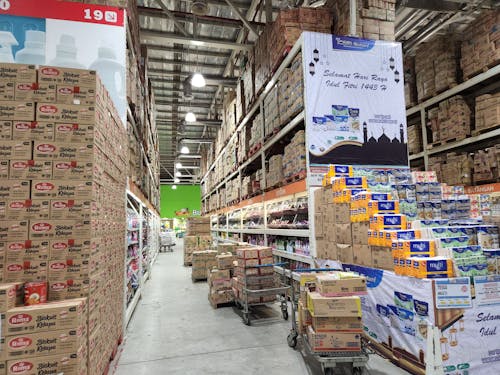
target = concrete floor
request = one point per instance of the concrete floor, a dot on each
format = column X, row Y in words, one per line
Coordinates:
column 174, row 330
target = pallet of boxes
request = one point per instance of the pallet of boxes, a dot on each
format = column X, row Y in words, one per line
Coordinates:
column 62, row 219
column 330, row 313
column 219, row 278
column 197, row 237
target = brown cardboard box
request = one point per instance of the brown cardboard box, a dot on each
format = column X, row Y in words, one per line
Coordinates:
column 17, row 72
column 63, row 113
column 15, row 150
column 32, row 130
column 68, row 364
column 30, row 169
column 342, row 213
column 72, row 170
column 18, row 209
column 63, row 289
column 75, row 189
column 77, row 247
column 337, row 324
column 333, row 306
column 225, row 261
column 333, row 341
column 12, row 230
column 344, row 253
column 7, row 90
column 67, row 76
column 19, row 251
column 26, row 270
column 247, row 253
column 11, row 189
column 360, row 233
column 63, row 209
column 62, row 150
column 265, row 252
column 328, row 285
column 76, row 268
column 45, row 343
column 17, row 111
column 4, row 169
column 80, row 133
column 318, row 225
column 8, row 296
column 343, row 233
column 69, row 94
column 382, row 258
column 46, row 317
column 362, row 255
column 37, row 92
column 51, row 229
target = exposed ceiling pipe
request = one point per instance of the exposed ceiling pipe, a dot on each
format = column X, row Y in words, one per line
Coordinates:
column 172, row 17
column 197, row 140
column 434, row 5
column 242, row 18
column 410, row 22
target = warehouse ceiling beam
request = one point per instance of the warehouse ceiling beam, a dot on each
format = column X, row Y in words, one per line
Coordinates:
column 169, row 14
column 197, row 140
column 158, row 81
column 166, row 103
column 190, row 51
column 184, row 63
column 210, row 79
column 199, row 122
column 243, row 19
column 161, row 36
column 160, row 90
column 434, row 5
column 202, row 20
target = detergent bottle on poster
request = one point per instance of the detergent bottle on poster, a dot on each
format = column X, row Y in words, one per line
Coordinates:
column 112, row 74
column 7, row 40
column 66, row 53
column 34, row 48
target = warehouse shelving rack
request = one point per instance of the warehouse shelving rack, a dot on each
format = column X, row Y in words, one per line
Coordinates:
column 472, row 85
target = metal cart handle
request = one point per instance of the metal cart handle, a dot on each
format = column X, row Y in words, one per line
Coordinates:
column 301, row 270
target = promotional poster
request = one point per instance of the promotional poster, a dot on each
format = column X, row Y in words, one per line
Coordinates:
column 354, row 95
column 67, row 35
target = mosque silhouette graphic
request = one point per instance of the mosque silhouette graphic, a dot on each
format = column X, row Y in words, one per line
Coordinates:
column 373, row 151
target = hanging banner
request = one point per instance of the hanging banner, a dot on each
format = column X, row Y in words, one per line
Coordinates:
column 67, row 35
column 354, row 101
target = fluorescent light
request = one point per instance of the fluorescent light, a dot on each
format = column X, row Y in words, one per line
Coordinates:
column 197, row 43
column 184, row 150
column 198, row 80
column 178, row 174
column 177, row 180
column 178, row 165
column 190, row 117
column 174, row 187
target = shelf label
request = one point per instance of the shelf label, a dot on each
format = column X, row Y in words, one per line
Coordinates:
column 487, row 290
column 453, row 293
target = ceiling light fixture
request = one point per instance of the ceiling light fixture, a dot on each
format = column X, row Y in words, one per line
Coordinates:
column 177, row 180
column 174, row 187
column 184, row 150
column 178, row 165
column 190, row 117
column 178, row 174
column 198, row 80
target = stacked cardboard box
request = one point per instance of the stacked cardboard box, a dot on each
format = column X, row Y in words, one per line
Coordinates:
column 410, row 81
column 436, row 66
column 198, row 226
column 486, row 164
column 254, row 278
column 333, row 317
column 451, row 121
column 291, row 91
column 203, row 262
column 256, row 132
column 414, row 139
column 272, row 111
column 481, row 48
column 190, row 246
column 262, row 59
column 275, row 171
column 243, row 143
column 65, row 167
column 487, row 111
column 294, row 157
column 240, row 102
column 220, row 287
column 248, row 77
column 57, row 346
column 453, row 168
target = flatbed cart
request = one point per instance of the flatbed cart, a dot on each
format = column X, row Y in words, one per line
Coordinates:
column 247, row 292
column 167, row 242
column 355, row 361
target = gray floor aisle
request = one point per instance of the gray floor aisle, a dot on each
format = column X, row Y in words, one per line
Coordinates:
column 174, row 330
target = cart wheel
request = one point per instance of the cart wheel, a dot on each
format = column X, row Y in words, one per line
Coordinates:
column 328, row 371
column 246, row 319
column 238, row 305
column 292, row 339
column 357, row 371
column 284, row 312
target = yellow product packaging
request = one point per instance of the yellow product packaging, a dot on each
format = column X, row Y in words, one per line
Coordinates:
column 388, row 222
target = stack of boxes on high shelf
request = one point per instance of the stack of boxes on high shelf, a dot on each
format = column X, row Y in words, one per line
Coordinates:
column 197, row 237
column 330, row 311
column 62, row 219
column 405, row 221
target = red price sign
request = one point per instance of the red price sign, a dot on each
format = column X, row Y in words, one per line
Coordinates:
column 62, row 10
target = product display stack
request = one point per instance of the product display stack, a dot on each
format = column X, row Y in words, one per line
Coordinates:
column 63, row 198
column 220, row 290
column 203, row 262
column 332, row 317
column 195, row 243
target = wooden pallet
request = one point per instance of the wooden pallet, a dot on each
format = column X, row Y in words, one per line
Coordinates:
column 444, row 142
column 437, row 92
column 484, row 69
column 485, row 130
column 219, row 305
column 296, row 177
column 188, row 264
column 195, row 280
column 276, row 186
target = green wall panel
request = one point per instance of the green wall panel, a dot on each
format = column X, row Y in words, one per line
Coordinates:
column 184, row 197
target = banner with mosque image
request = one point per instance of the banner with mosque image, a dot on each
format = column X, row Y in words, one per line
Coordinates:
column 354, row 101
column 67, row 35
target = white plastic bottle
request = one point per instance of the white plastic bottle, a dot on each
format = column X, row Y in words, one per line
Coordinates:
column 7, row 40
column 112, row 74
column 34, row 48
column 66, row 53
